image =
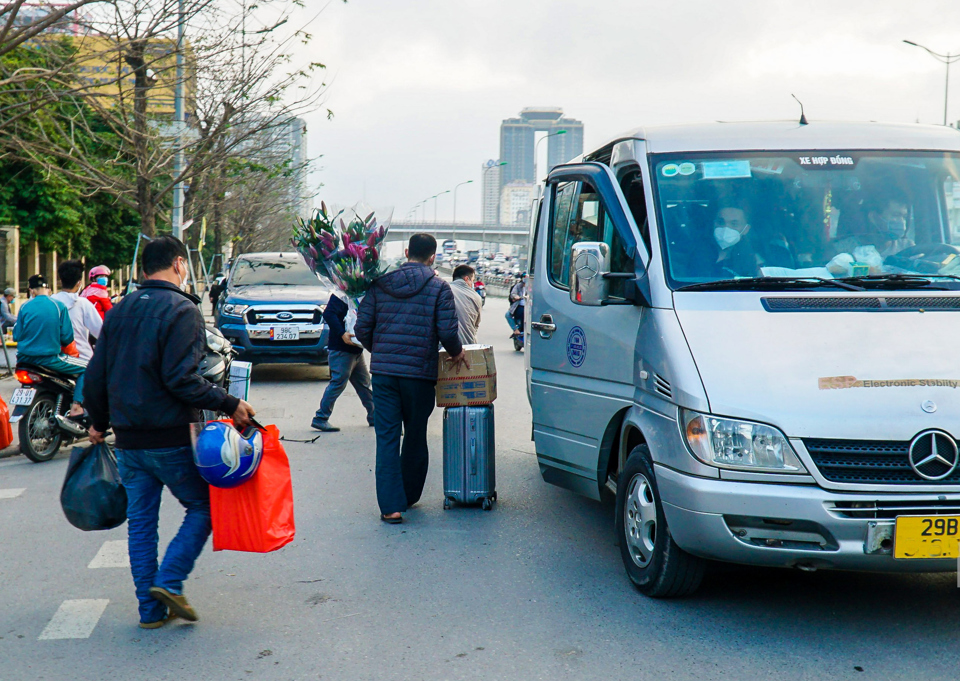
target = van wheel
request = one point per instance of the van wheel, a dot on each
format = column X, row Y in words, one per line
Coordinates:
column 655, row 564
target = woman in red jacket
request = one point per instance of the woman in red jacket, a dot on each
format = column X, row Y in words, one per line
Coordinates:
column 97, row 292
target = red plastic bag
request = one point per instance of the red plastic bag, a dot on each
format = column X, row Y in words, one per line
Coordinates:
column 257, row 516
column 6, row 431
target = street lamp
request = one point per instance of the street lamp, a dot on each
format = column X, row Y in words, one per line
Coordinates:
column 434, row 197
column 455, row 207
column 943, row 59
column 536, row 148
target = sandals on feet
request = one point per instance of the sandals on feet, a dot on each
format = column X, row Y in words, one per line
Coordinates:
column 391, row 521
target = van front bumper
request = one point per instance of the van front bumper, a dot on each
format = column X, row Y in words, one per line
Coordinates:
column 783, row 525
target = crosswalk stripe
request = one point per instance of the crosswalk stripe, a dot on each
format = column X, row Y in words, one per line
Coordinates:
column 113, row 554
column 12, row 493
column 74, row 619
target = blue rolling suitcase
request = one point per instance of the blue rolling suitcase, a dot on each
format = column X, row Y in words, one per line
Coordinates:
column 469, row 461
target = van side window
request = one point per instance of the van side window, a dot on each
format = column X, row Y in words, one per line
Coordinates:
column 632, row 187
column 580, row 216
column 560, row 226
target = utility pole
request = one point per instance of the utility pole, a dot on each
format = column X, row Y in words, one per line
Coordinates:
column 946, row 59
column 180, row 122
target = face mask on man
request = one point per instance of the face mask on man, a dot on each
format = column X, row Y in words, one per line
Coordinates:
column 102, row 281
column 182, row 278
column 726, row 237
column 895, row 228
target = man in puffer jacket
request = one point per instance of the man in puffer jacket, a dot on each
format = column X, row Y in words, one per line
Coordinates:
column 400, row 321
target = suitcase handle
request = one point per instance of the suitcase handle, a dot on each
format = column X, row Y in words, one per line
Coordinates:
column 473, row 456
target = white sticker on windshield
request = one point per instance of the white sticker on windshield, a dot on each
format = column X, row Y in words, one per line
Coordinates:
column 669, row 170
column 687, row 168
column 722, row 170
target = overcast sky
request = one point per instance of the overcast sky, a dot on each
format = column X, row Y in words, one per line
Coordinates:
column 419, row 87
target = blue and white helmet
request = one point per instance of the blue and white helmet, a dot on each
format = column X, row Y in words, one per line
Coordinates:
column 225, row 457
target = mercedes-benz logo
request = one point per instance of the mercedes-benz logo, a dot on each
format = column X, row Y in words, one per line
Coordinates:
column 587, row 266
column 933, row 455
column 285, row 315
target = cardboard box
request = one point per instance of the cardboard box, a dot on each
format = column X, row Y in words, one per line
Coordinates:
column 467, row 387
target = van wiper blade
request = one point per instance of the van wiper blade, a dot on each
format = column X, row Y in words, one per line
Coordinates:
column 768, row 283
column 900, row 280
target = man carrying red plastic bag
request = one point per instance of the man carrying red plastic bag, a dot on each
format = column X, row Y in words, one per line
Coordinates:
column 142, row 381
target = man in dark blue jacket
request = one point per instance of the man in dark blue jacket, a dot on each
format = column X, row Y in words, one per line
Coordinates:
column 143, row 381
column 400, row 321
column 345, row 360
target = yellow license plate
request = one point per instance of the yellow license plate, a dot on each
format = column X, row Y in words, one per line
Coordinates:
column 935, row 536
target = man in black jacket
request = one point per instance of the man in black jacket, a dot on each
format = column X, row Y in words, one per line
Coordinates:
column 400, row 321
column 143, row 382
column 345, row 360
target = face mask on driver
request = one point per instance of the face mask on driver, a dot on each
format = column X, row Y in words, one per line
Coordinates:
column 895, row 227
column 102, row 281
column 726, row 237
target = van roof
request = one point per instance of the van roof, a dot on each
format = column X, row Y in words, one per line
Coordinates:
column 789, row 135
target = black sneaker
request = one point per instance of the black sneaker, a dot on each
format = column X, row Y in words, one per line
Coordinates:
column 324, row 426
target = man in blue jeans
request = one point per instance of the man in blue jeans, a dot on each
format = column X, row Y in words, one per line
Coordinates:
column 402, row 319
column 345, row 360
column 143, row 382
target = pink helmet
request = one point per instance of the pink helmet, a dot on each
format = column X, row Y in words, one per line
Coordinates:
column 99, row 271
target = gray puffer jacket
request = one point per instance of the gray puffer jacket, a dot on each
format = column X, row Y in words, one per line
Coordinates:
column 403, row 317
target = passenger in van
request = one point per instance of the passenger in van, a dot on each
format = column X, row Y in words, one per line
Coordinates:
column 886, row 228
column 737, row 256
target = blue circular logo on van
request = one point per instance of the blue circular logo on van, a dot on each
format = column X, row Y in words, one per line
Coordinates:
column 576, row 346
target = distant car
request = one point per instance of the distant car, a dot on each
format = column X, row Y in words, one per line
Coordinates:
column 272, row 310
column 472, row 257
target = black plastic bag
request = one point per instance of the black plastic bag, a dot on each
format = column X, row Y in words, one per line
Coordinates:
column 93, row 497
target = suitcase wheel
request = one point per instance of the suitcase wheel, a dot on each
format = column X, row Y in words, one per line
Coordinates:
column 487, row 504
column 447, row 505
column 494, row 496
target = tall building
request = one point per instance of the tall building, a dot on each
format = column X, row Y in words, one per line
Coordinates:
column 518, row 141
column 516, row 199
column 490, row 210
column 288, row 144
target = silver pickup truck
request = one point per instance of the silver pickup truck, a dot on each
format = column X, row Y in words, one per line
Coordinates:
column 748, row 333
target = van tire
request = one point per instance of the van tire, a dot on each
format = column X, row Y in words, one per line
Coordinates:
column 655, row 564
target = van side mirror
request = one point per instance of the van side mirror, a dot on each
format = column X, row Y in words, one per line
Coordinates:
column 589, row 263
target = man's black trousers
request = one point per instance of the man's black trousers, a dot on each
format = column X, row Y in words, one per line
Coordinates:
column 401, row 405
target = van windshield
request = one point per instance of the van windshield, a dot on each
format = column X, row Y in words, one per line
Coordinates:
column 855, row 216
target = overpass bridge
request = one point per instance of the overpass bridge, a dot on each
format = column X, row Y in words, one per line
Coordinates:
column 466, row 231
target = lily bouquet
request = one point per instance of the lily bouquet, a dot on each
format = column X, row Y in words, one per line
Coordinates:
column 344, row 248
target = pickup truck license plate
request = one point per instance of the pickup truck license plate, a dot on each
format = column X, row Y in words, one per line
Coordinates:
column 936, row 536
column 285, row 333
column 23, row 397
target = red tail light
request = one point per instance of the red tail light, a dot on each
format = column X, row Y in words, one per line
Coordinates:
column 28, row 378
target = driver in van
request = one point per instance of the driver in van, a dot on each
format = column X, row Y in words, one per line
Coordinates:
column 886, row 228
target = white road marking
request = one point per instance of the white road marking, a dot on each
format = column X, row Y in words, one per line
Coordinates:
column 113, row 554
column 12, row 493
column 74, row 619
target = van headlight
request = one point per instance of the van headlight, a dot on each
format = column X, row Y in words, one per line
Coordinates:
column 728, row 443
column 234, row 310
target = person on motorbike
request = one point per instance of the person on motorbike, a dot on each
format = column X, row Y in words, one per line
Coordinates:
column 84, row 316
column 42, row 332
column 517, row 296
column 97, row 292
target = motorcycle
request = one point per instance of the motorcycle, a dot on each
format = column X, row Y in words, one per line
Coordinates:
column 481, row 290
column 41, row 403
column 40, row 407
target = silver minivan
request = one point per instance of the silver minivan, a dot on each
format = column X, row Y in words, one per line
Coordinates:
column 750, row 333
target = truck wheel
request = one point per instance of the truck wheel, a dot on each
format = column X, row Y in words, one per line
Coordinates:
column 655, row 564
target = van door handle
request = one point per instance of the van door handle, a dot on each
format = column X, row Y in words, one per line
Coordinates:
column 545, row 326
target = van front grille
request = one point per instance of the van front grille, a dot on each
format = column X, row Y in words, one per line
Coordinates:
column 885, row 509
column 868, row 461
column 861, row 304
